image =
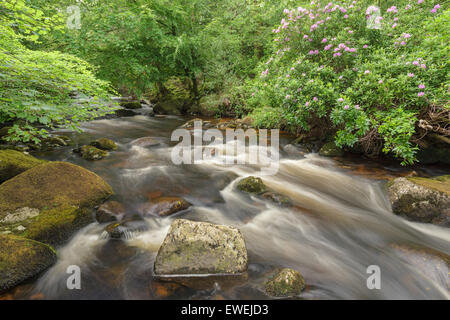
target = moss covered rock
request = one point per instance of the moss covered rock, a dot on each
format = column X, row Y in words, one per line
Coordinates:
column 50, row 202
column 131, row 104
column 421, row 199
column 252, row 185
column 330, row 150
column 201, row 248
column 51, row 185
column 285, row 283
column 21, row 259
column 91, row 153
column 13, row 162
column 104, row 144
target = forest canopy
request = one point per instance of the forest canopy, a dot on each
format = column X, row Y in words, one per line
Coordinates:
column 373, row 76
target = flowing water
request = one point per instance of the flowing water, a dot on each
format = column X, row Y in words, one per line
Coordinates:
column 341, row 223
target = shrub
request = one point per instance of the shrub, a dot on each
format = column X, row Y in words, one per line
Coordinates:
column 370, row 76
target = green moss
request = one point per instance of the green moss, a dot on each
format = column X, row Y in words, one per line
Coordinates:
column 52, row 185
column 441, row 183
column 21, row 259
column 55, row 226
column 104, row 144
column 330, row 150
column 285, row 283
column 252, row 185
column 13, row 162
column 92, row 153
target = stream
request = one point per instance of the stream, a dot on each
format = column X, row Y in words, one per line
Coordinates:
column 340, row 225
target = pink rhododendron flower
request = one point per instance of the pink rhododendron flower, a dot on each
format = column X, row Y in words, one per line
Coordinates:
column 419, row 1
column 411, row 75
column 357, row 107
column 403, row 43
column 380, row 82
column 340, row 99
column 315, row 99
column 394, row 25
column 421, row 86
column 423, row 66
column 307, row 103
column 346, row 107
column 324, row 40
column 367, row 72
column 421, row 94
column 365, row 46
column 416, row 63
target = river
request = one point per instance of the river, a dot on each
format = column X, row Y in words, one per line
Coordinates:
column 341, row 223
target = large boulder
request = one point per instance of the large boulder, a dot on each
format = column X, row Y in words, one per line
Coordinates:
column 21, row 259
column 13, row 162
column 421, row 199
column 285, row 283
column 51, row 201
column 193, row 248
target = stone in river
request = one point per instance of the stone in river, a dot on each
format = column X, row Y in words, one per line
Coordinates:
column 164, row 206
column 199, row 248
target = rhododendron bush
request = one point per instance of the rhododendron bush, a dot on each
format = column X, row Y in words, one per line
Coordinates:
column 366, row 72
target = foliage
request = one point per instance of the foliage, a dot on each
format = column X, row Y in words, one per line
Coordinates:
column 35, row 86
column 369, row 84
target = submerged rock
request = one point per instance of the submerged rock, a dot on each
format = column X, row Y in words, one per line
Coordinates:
column 126, row 229
column 164, row 206
column 421, row 199
column 277, row 198
column 145, row 142
column 104, row 144
column 21, row 259
column 91, row 153
column 252, row 185
column 285, row 283
column 194, row 248
column 14, row 162
column 330, row 149
column 110, row 211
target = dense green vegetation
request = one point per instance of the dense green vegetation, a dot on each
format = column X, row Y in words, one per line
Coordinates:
column 329, row 69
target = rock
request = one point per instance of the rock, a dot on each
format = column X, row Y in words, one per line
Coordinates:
column 91, row 153
column 164, row 206
column 194, row 248
column 125, row 113
column 52, row 185
column 430, row 262
column 171, row 107
column 56, row 226
column 104, row 144
column 131, row 104
column 434, row 154
column 292, row 150
column 145, row 142
column 110, row 211
column 126, row 229
column 52, row 142
column 330, row 150
column 252, row 185
column 277, row 198
column 421, row 199
column 285, row 283
column 14, row 162
column 21, row 259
